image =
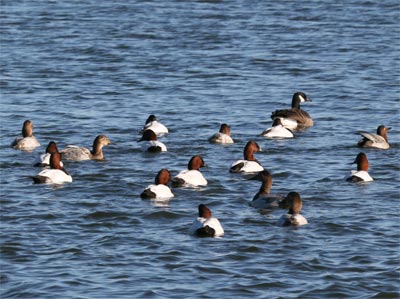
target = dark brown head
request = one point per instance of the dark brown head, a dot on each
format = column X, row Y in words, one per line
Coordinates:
column 204, row 211
column 100, row 141
column 151, row 118
column 225, row 129
column 27, row 129
column 148, row 135
column 51, row 147
column 249, row 150
column 362, row 162
column 55, row 160
column 163, row 177
column 295, row 203
column 98, row 144
column 382, row 131
column 196, row 162
column 299, row 97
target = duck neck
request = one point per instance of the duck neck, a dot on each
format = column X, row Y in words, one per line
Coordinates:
column 265, row 188
column 384, row 135
column 26, row 131
column 249, row 155
column 363, row 165
column 97, row 151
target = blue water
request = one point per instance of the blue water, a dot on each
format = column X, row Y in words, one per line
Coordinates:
column 78, row 69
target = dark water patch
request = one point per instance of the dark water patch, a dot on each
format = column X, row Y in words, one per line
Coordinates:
column 163, row 215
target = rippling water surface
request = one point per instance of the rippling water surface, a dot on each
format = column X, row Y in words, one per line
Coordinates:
column 82, row 68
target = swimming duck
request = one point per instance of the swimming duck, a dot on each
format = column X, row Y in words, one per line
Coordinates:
column 249, row 164
column 76, row 153
column 206, row 225
column 153, row 124
column 27, row 141
column 278, row 130
column 150, row 143
column 160, row 189
column 263, row 199
column 378, row 140
column 293, row 216
column 361, row 175
column 56, row 174
column 43, row 160
column 223, row 136
column 295, row 117
column 191, row 176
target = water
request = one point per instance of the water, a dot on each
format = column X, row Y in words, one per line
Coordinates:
column 82, row 68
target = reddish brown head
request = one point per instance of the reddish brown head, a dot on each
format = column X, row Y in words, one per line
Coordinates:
column 51, row 147
column 249, row 150
column 382, row 131
column 295, row 202
column 362, row 162
column 163, row 177
column 148, row 135
column 225, row 129
column 27, row 129
column 204, row 211
column 55, row 160
column 196, row 162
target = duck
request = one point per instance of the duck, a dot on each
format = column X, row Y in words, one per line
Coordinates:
column 27, row 141
column 191, row 177
column 263, row 199
column 160, row 189
column 76, row 153
column 293, row 216
column 153, row 124
column 223, row 136
column 43, row 160
column 361, row 174
column 206, row 225
column 278, row 130
column 149, row 142
column 56, row 174
column 249, row 164
column 378, row 140
column 295, row 117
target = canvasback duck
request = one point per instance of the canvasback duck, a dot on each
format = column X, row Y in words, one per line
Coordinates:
column 295, row 117
column 76, row 153
column 56, row 174
column 191, row 176
column 43, row 160
column 27, row 141
column 205, row 225
column 361, row 174
column 263, row 199
column 149, row 142
column 160, row 189
column 378, row 140
column 293, row 216
column 223, row 136
column 153, row 124
column 277, row 130
column 249, row 164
